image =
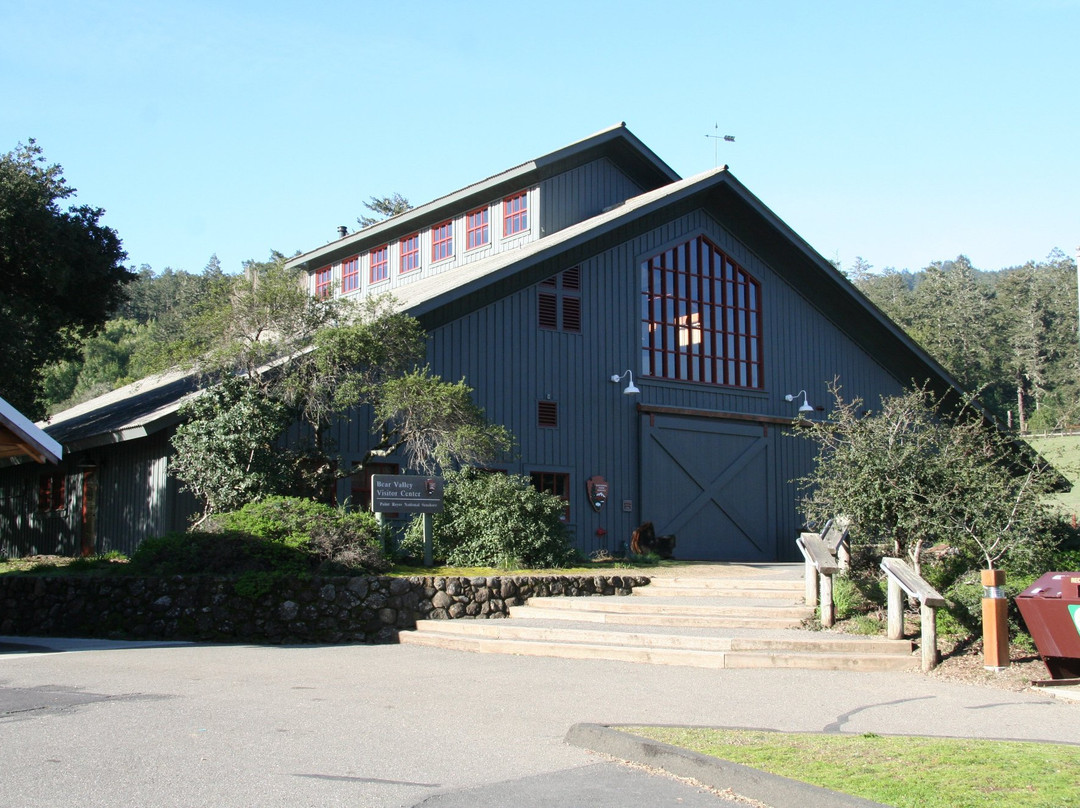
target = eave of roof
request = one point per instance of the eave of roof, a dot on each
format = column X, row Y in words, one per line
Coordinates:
column 19, row 437
column 616, row 142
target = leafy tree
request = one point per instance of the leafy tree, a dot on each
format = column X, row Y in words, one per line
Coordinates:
column 435, row 423
column 321, row 359
column 348, row 364
column 913, row 474
column 1011, row 335
column 263, row 315
column 61, row 274
column 225, row 449
column 951, row 318
column 384, row 207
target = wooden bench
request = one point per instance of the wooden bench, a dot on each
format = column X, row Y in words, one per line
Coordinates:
column 903, row 579
column 825, row 554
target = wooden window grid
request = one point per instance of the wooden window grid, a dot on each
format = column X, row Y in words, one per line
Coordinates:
column 701, row 317
column 324, row 278
column 410, row 253
column 442, row 241
column 380, row 264
column 554, row 482
column 560, row 308
column 350, row 274
column 51, row 492
column 516, row 214
column 476, row 229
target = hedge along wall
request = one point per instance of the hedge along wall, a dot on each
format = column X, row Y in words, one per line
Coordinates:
column 263, row 610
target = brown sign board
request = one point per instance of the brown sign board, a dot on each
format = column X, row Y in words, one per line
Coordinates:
column 406, row 493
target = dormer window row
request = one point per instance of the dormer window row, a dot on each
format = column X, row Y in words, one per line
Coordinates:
column 407, row 255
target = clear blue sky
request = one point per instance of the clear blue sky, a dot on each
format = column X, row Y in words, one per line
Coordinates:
column 902, row 132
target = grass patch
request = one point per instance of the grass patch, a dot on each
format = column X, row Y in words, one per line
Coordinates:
column 104, row 564
column 1063, row 453
column 906, row 772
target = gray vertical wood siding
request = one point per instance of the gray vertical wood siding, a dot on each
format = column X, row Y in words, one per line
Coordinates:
column 581, row 193
column 136, row 499
column 512, row 364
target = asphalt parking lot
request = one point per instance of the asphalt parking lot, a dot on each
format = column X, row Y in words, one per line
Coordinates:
column 106, row 724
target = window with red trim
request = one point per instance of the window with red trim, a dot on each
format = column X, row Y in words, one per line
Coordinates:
column 350, row 274
column 554, row 482
column 700, row 317
column 380, row 264
column 476, row 229
column 516, row 213
column 51, row 492
column 442, row 241
column 324, row 278
column 410, row 253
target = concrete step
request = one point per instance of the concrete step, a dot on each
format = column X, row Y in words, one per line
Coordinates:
column 710, row 622
column 691, row 591
column 786, row 585
column 673, row 606
column 589, row 646
column 639, row 619
column 819, row 642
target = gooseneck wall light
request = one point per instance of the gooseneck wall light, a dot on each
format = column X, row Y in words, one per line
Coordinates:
column 805, row 406
column 630, row 390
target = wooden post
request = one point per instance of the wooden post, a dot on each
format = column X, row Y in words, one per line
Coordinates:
column 896, row 610
column 810, row 574
column 843, row 555
column 995, row 616
column 828, row 613
column 928, row 641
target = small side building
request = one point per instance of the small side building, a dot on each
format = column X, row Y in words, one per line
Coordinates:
column 109, row 490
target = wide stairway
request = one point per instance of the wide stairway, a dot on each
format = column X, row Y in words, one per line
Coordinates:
column 748, row 617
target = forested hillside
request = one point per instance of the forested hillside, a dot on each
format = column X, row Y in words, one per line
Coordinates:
column 144, row 336
column 1010, row 334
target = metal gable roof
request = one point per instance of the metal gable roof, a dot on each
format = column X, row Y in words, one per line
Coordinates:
column 133, row 411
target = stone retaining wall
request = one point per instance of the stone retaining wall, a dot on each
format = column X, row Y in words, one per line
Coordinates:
column 316, row 610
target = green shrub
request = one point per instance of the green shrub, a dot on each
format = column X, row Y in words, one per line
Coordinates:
column 847, row 600
column 203, row 553
column 495, row 520
column 338, row 538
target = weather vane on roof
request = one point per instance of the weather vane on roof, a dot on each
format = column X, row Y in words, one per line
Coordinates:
column 716, row 142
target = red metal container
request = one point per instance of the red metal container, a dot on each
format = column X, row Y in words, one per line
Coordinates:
column 1051, row 609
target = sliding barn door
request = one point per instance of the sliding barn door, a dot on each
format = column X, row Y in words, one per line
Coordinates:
column 710, row 483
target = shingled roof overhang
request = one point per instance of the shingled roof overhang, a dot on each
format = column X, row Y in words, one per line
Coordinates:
column 616, row 143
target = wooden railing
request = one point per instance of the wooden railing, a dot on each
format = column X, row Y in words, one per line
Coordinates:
column 904, row 579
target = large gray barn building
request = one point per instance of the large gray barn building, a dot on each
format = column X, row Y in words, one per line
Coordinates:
column 539, row 285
